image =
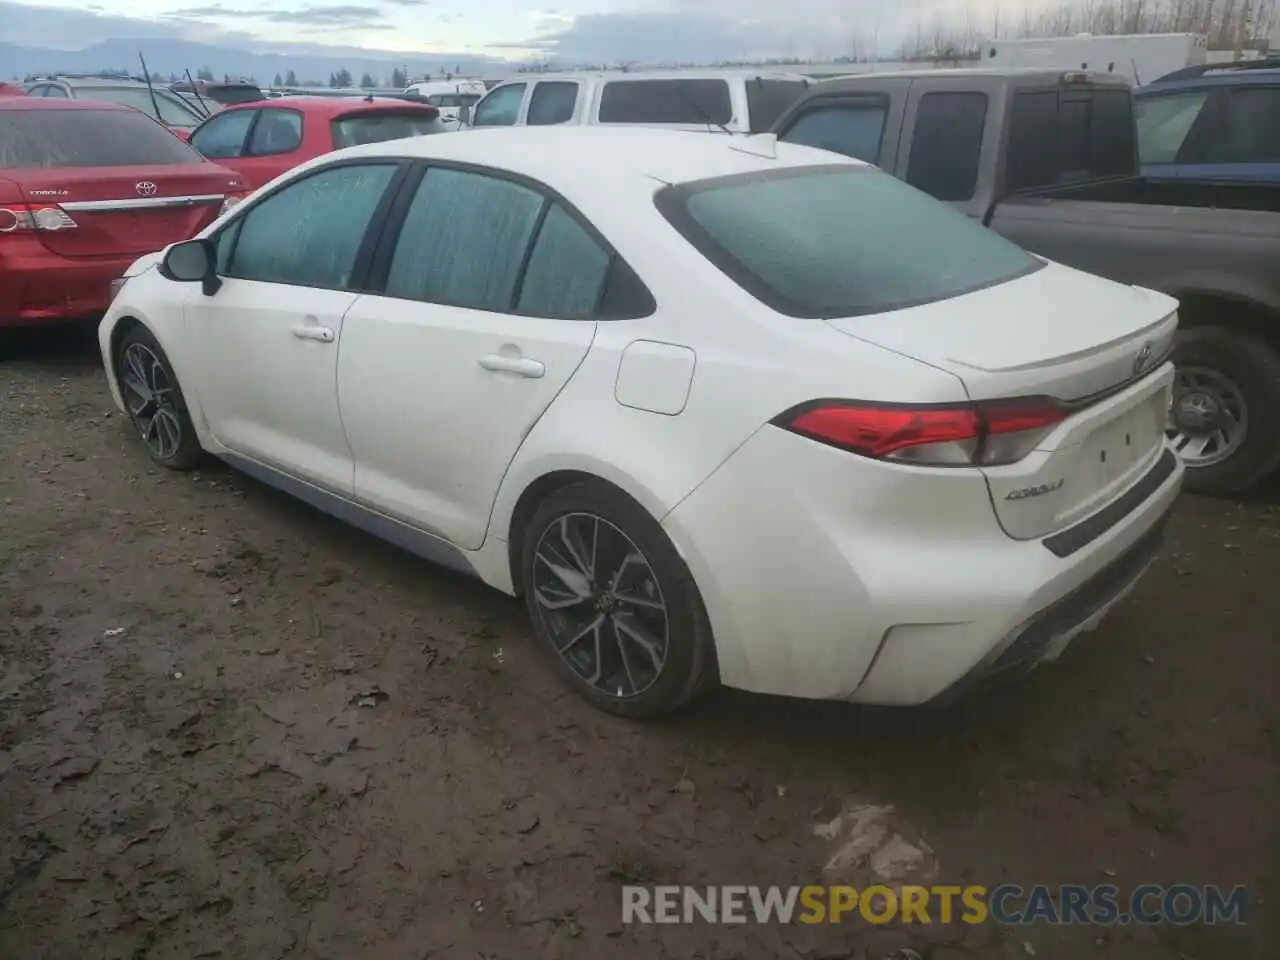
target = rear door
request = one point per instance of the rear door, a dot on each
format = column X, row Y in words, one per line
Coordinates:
column 123, row 184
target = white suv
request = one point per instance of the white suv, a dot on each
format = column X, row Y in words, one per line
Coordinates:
column 734, row 101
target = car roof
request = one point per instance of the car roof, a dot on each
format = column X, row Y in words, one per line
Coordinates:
column 40, row 103
column 564, row 156
column 1225, row 78
column 1021, row 74
column 331, row 106
column 612, row 75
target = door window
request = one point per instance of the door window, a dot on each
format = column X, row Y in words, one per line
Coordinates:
column 552, row 102
column 1246, row 128
column 222, row 138
column 463, row 241
column 277, row 131
column 1164, row 122
column 309, row 233
column 566, row 272
column 946, row 144
column 501, row 108
column 767, row 100
column 852, row 129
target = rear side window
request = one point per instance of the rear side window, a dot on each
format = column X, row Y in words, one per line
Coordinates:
column 947, row 144
column 666, row 101
column 552, row 102
column 463, row 241
column 277, row 131
column 87, row 138
column 1247, row 128
column 767, row 100
column 1164, row 122
column 1058, row 137
column 376, row 127
column 223, row 136
column 852, row 129
column 566, row 271
column 838, row 241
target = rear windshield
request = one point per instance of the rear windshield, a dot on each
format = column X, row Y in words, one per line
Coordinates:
column 388, row 125
column 87, row 138
column 666, row 101
column 767, row 100
column 229, row 95
column 1070, row 135
column 838, row 240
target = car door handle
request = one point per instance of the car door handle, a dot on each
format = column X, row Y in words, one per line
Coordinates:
column 313, row 331
column 522, row 366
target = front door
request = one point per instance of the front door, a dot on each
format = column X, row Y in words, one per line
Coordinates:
column 268, row 339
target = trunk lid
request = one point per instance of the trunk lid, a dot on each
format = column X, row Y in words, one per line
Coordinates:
column 1096, row 345
column 121, row 211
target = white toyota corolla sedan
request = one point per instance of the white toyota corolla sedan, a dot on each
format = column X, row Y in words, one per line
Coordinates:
column 716, row 407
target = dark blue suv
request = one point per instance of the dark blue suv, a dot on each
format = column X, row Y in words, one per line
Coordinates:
column 1214, row 123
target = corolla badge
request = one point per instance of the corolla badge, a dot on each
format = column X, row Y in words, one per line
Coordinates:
column 1026, row 493
column 1142, row 359
column 145, row 188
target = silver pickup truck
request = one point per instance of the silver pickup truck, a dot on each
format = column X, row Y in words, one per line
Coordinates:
column 1049, row 160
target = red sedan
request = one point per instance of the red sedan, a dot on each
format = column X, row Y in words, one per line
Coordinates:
column 262, row 140
column 85, row 189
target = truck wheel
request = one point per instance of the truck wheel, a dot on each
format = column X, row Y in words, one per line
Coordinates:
column 1225, row 418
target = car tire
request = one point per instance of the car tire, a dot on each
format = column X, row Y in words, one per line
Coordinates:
column 163, row 423
column 607, row 667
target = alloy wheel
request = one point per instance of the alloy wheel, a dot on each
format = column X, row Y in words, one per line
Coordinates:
column 1209, row 418
column 601, row 604
column 151, row 400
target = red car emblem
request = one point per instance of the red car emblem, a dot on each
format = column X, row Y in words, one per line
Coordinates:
column 146, row 188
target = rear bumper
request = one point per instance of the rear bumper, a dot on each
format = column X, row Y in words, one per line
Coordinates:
column 38, row 287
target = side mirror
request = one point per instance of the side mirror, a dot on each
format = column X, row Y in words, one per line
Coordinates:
column 193, row 261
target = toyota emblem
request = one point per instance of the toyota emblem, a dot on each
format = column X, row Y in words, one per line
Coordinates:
column 145, row 188
column 1142, row 359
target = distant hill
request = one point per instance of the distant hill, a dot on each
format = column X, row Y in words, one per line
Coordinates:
column 175, row 56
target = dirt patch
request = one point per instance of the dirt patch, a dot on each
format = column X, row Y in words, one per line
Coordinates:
column 230, row 727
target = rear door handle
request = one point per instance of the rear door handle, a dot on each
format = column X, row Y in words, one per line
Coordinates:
column 311, row 330
column 521, row 366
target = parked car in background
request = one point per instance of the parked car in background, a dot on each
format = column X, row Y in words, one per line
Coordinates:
column 11, row 90
column 710, row 407
column 263, row 140
column 212, row 95
column 1048, row 159
column 451, row 97
column 85, row 189
column 170, row 109
column 1212, row 124
column 730, row 101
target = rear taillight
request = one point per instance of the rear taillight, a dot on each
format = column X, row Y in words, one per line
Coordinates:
column 987, row 433
column 22, row 219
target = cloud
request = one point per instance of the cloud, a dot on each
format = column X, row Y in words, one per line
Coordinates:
column 410, row 3
column 347, row 15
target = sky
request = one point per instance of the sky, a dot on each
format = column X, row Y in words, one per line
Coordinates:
column 578, row 30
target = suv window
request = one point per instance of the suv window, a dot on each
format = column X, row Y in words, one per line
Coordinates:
column 87, row 138
column 666, row 101
column 501, row 108
column 167, row 108
column 946, row 144
column 853, row 129
column 1070, row 136
column 463, row 241
column 767, row 100
column 383, row 125
column 839, row 240
column 222, row 137
column 552, row 102
column 309, row 233
column 277, row 131
column 1243, row 127
column 1164, row 122
column 566, row 271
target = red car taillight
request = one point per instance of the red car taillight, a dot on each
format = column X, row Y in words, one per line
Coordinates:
column 986, row 433
column 20, row 219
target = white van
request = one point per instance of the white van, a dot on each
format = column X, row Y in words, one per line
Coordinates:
column 450, row 96
column 738, row 101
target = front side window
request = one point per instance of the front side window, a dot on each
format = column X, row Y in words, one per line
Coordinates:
column 838, row 241
column 767, row 100
column 552, row 102
column 87, row 138
column 946, row 145
column 852, row 129
column 672, row 101
column 566, row 272
column 1164, row 122
column 501, row 108
column 277, row 131
column 309, row 232
column 222, row 137
column 463, row 240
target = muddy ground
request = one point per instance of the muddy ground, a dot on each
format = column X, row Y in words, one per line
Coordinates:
column 231, row 727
